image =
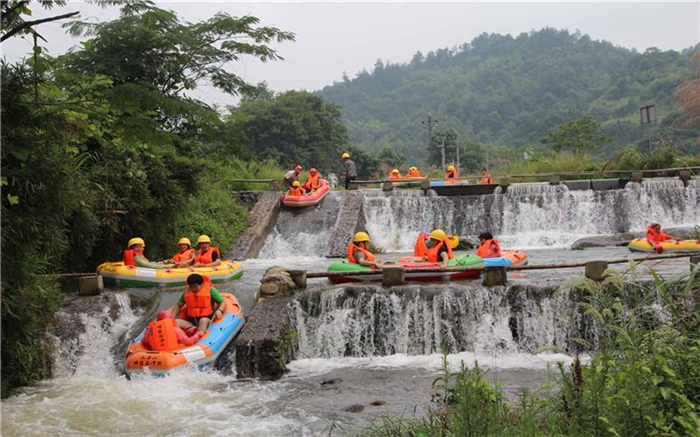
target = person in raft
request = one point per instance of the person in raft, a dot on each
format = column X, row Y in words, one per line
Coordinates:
column 486, row 177
column 164, row 334
column 133, row 255
column 655, row 236
column 451, row 172
column 439, row 249
column 395, row 174
column 292, row 176
column 203, row 304
column 206, row 256
column 350, row 169
column 488, row 246
column 295, row 190
column 185, row 254
column 413, row 172
column 313, row 182
column 358, row 251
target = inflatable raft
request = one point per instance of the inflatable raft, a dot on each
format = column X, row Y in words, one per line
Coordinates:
column 642, row 245
column 507, row 258
column 409, row 263
column 311, row 200
column 450, row 183
column 202, row 353
column 120, row 275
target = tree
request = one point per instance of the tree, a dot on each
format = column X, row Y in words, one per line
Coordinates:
column 579, row 136
column 391, row 158
column 151, row 45
column 295, row 127
column 687, row 96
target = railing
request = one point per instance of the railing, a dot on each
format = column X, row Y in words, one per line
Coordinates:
column 555, row 177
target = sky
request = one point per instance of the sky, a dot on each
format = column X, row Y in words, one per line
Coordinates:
column 337, row 37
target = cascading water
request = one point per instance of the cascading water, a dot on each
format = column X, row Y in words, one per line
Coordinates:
column 302, row 231
column 531, row 215
column 422, row 321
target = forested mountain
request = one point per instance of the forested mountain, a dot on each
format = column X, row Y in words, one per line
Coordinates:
column 510, row 91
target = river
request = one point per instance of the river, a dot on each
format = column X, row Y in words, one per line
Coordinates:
column 325, row 392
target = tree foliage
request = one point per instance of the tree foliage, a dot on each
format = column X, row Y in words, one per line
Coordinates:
column 292, row 128
column 580, row 136
column 509, row 90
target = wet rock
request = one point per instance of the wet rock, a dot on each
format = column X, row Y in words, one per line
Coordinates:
column 622, row 239
column 357, row 408
column 276, row 282
column 333, row 381
column 268, row 342
column 377, row 403
column 263, row 217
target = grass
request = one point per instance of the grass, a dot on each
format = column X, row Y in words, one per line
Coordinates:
column 643, row 379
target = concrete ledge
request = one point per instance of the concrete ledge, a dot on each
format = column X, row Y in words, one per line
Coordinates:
column 349, row 219
column 263, row 217
column 268, row 343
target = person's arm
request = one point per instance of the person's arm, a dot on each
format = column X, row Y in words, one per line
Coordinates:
column 141, row 262
column 219, row 299
column 445, row 258
column 178, row 306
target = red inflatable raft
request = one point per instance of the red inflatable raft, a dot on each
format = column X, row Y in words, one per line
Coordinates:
column 309, row 200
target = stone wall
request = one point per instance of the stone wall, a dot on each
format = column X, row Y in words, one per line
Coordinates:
column 263, row 217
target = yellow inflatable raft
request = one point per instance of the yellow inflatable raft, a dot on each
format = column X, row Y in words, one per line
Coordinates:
column 642, row 245
column 118, row 274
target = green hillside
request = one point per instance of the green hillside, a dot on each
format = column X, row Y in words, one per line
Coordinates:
column 509, row 90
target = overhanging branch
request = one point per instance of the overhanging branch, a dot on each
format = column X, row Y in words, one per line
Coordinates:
column 30, row 24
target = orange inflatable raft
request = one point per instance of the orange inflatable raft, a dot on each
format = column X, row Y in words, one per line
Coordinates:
column 202, row 353
column 309, row 200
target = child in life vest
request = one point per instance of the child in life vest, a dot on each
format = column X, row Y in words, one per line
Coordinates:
column 153, row 334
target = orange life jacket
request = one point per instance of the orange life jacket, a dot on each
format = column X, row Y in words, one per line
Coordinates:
column 433, row 251
column 205, row 258
column 486, row 178
column 129, row 257
column 413, row 174
column 395, row 176
column 369, row 256
column 420, row 248
column 485, row 249
column 184, row 256
column 295, row 192
column 657, row 237
column 199, row 303
column 312, row 183
column 451, row 174
column 162, row 335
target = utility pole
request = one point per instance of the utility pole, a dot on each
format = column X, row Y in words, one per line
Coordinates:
column 430, row 123
column 458, row 159
column 442, row 149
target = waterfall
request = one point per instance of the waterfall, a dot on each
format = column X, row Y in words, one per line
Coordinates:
column 531, row 215
column 91, row 351
column 304, row 230
column 371, row 321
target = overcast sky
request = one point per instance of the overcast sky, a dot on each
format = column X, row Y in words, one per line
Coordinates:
column 332, row 38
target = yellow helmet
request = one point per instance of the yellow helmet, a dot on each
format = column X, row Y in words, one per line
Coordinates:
column 413, row 168
column 360, row 236
column 296, row 184
column 454, row 241
column 396, row 170
column 185, row 240
column 450, row 167
column 136, row 241
column 203, row 239
column 346, row 155
column 437, row 234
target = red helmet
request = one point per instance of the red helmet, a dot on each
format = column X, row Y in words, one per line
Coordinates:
column 298, row 169
column 312, row 171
